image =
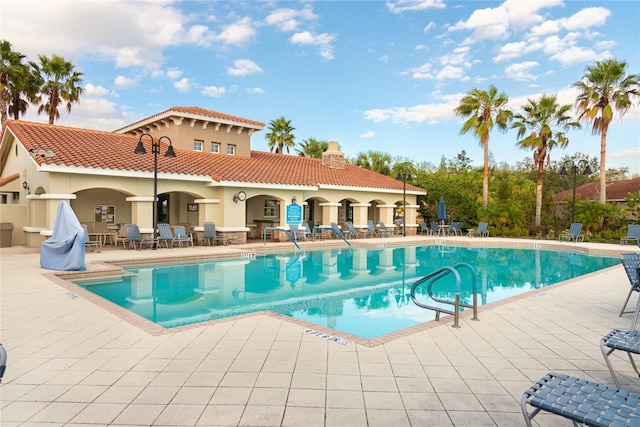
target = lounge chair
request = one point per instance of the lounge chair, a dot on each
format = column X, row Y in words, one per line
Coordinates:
column 165, row 235
column 297, row 233
column 182, row 236
column 371, row 228
column 633, row 233
column 352, row 231
column 384, row 231
column 627, row 341
column 631, row 264
column 582, row 401
column 481, row 231
column 336, row 230
column 135, row 239
column 88, row 243
column 210, row 235
column 574, row 234
column 307, row 230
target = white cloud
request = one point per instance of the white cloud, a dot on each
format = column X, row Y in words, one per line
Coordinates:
column 174, row 73
column 586, row 18
column 520, row 71
column 92, row 90
column 429, row 26
column 424, row 113
column 214, row 91
column 243, row 67
column 183, row 85
column 256, row 90
column 459, row 56
column 122, row 82
column 384, row 58
column 400, row 6
column 289, row 19
column 576, row 55
column 238, row 33
column 451, row 72
column 324, row 41
column 368, row 134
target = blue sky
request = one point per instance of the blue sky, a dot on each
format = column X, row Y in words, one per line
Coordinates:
column 372, row 75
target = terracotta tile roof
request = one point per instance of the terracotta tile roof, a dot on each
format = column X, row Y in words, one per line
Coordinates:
column 197, row 112
column 616, row 190
column 66, row 146
column 8, row 179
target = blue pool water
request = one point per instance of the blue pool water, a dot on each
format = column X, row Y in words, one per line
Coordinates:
column 360, row 291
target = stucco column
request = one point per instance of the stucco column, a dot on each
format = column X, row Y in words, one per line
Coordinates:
column 411, row 222
column 208, row 210
column 142, row 213
column 386, row 214
column 329, row 212
column 360, row 214
column 42, row 215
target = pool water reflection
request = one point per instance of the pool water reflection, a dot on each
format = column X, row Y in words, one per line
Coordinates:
column 364, row 292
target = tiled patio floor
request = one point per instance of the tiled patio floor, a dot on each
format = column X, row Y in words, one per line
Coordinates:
column 73, row 363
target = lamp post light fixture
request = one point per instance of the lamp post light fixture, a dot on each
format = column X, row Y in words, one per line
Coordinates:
column 564, row 172
column 155, row 149
column 404, row 175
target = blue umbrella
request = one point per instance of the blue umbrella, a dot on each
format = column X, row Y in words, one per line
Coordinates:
column 442, row 209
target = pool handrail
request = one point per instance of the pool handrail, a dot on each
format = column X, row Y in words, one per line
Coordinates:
column 284, row 230
column 437, row 275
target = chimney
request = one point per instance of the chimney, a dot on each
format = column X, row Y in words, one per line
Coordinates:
column 333, row 158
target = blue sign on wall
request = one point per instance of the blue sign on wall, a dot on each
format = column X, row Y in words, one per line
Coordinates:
column 294, row 214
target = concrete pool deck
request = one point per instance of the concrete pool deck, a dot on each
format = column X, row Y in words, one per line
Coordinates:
column 74, row 363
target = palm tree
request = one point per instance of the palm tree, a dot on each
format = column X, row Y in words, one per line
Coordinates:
column 312, row 148
column 61, row 84
column 10, row 65
column 484, row 109
column 280, row 134
column 375, row 161
column 540, row 117
column 23, row 87
column 604, row 88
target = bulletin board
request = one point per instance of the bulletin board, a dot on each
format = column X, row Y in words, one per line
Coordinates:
column 104, row 213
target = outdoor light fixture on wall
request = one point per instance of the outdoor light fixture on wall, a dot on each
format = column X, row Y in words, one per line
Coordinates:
column 564, row 172
column 25, row 185
column 155, row 149
column 294, row 200
column 240, row 195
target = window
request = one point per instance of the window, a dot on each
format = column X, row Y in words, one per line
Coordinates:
column 231, row 150
column 197, row 145
column 215, row 147
column 270, row 208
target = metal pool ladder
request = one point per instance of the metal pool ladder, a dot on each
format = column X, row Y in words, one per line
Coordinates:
column 438, row 274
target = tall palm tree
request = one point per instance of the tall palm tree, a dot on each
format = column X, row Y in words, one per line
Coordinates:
column 280, row 134
column 23, row 87
column 540, row 118
column 484, row 110
column 10, row 65
column 605, row 87
column 312, row 148
column 61, row 85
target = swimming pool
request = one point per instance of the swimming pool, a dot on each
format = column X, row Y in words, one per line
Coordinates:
column 359, row 291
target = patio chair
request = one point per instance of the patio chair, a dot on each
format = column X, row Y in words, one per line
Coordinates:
column 627, row 341
column 371, row 228
column 384, row 231
column 165, row 235
column 633, row 233
column 135, row 239
column 88, row 243
column 210, row 235
column 424, row 228
column 582, row 401
column 337, row 232
column 307, row 230
column 352, row 231
column 456, row 228
column 481, row 231
column 631, row 264
column 434, row 228
column 574, row 234
column 297, row 233
column 182, row 236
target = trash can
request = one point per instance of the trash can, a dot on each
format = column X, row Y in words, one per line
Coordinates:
column 6, row 228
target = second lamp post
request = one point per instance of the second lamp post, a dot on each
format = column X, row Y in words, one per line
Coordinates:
column 564, row 172
column 155, row 149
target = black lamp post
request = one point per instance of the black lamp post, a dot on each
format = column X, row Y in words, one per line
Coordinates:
column 155, row 149
column 564, row 172
column 404, row 175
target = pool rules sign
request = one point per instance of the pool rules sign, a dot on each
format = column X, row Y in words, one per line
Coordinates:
column 294, row 213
